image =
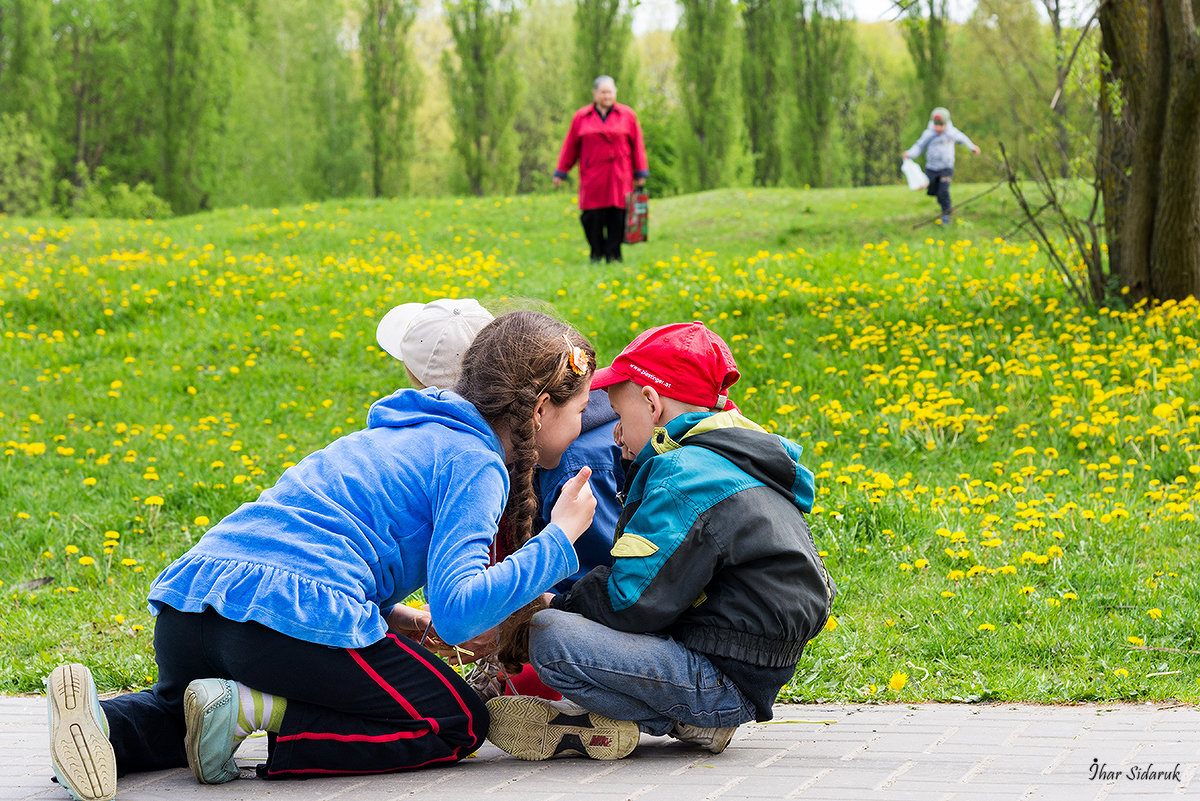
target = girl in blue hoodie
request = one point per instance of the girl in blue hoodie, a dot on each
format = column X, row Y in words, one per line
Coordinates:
column 277, row 618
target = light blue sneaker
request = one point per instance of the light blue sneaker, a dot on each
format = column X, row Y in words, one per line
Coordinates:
column 82, row 756
column 210, row 710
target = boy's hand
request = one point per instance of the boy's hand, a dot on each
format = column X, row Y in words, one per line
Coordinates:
column 975, row 150
column 575, row 506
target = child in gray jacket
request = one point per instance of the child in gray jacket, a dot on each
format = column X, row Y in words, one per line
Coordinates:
column 937, row 143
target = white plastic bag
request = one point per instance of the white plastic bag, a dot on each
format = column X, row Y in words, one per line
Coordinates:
column 916, row 177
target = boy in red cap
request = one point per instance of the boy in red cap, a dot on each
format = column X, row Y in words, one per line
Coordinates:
column 716, row 584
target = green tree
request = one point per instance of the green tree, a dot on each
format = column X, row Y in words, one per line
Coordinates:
column 658, row 113
column 484, row 89
column 542, row 120
column 25, row 166
column 1004, row 94
column 391, row 92
column 191, row 95
column 603, row 34
column 707, row 72
column 104, row 68
column 821, row 44
column 878, row 106
column 761, row 78
column 926, row 23
column 294, row 128
column 27, row 82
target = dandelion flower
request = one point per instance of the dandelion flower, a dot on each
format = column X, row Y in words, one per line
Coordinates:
column 897, row 682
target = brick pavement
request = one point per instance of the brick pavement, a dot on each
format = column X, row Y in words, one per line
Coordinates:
column 893, row 752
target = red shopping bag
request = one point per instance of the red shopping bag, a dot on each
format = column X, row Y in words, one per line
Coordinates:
column 637, row 216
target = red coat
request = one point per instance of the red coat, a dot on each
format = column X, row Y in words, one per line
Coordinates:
column 610, row 154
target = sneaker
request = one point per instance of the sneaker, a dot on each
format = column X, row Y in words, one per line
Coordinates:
column 210, row 710
column 533, row 728
column 80, row 752
column 945, row 219
column 714, row 740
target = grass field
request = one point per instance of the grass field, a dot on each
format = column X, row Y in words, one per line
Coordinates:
column 1008, row 485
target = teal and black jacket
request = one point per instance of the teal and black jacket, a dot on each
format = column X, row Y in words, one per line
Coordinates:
column 713, row 550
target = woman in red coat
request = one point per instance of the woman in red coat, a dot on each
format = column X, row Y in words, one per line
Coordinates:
column 606, row 140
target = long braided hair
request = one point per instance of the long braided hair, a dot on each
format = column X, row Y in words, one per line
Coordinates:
column 514, row 360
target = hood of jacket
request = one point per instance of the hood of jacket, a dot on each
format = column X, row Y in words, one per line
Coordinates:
column 411, row 407
column 767, row 457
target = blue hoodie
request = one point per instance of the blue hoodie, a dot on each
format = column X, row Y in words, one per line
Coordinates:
column 413, row 500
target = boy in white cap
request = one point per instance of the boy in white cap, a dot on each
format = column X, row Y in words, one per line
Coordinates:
column 937, row 143
column 431, row 338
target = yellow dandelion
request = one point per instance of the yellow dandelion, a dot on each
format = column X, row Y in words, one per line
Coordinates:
column 897, row 681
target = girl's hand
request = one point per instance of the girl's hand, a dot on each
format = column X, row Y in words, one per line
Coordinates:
column 575, row 506
column 416, row 624
column 409, row 621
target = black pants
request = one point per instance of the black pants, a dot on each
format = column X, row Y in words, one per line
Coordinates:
column 605, row 231
column 390, row 706
column 939, row 187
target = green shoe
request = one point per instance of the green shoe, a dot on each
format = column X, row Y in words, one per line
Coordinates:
column 210, row 710
column 529, row 727
column 80, row 752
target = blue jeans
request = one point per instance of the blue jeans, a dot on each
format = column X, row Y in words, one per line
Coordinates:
column 651, row 680
column 939, row 187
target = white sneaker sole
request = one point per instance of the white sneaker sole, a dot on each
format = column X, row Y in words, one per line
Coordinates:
column 530, row 728
column 82, row 756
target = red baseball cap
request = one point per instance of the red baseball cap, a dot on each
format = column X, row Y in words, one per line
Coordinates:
column 684, row 361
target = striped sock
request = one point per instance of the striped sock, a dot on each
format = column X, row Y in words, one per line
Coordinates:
column 257, row 712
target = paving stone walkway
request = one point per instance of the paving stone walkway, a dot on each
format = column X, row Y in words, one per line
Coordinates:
column 923, row 752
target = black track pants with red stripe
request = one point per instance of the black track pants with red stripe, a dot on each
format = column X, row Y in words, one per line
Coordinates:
column 390, row 706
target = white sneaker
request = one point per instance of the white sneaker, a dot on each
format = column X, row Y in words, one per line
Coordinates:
column 529, row 727
column 80, row 752
column 714, row 740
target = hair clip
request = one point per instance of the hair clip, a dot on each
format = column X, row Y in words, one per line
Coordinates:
column 578, row 358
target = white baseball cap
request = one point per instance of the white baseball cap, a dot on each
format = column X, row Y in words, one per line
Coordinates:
column 431, row 338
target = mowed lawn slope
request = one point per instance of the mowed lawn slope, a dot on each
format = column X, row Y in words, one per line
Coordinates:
column 1008, row 484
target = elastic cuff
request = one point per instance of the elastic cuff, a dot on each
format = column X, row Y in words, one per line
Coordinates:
column 560, row 174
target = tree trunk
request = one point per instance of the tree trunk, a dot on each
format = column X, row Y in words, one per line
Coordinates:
column 1149, row 159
